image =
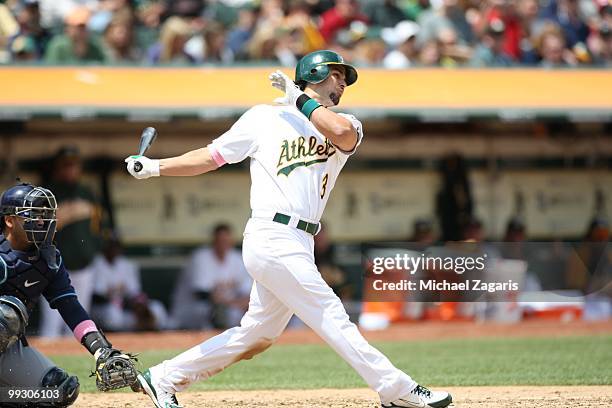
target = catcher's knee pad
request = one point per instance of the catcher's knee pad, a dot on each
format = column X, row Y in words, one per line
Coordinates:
column 68, row 387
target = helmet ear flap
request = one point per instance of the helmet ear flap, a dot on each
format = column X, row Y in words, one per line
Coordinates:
column 323, row 72
column 318, row 73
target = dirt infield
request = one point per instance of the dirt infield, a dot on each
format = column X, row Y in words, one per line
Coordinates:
column 465, row 397
column 138, row 342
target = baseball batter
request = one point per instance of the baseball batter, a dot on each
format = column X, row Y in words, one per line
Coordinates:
column 296, row 149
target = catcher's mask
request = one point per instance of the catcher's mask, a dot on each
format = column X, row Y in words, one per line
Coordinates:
column 36, row 205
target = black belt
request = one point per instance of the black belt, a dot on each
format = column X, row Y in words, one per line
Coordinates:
column 301, row 225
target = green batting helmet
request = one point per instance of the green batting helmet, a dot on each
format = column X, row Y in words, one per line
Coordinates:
column 314, row 67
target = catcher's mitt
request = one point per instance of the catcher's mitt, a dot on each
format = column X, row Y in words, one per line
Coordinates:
column 114, row 369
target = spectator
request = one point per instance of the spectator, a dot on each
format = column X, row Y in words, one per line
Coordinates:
column 453, row 53
column 215, row 50
column 384, row 13
column 402, row 38
column 592, row 259
column 593, row 271
column 448, row 15
column 515, row 230
column 430, row 54
column 606, row 15
column 472, row 230
column 220, row 279
column 299, row 17
column 369, row 52
column 239, row 36
column 264, row 44
column 109, row 10
column 78, row 232
column 414, row 8
column 119, row 42
column 170, row 49
column 516, row 247
column 339, row 17
column 150, row 13
column 348, row 38
column 23, row 49
column 184, row 8
column 600, row 41
column 551, row 49
column 319, row 7
column 289, row 46
column 8, row 28
column 224, row 12
column 34, row 38
column 454, row 202
column 566, row 14
column 422, row 233
column 75, row 46
column 55, row 12
column 506, row 11
column 528, row 11
column 271, row 14
column 490, row 51
column 119, row 303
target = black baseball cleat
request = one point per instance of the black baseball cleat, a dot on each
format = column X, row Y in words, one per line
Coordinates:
column 421, row 397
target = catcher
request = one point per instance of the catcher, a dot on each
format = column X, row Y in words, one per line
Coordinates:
column 30, row 265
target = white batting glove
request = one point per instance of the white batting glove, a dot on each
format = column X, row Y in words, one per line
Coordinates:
column 281, row 81
column 149, row 167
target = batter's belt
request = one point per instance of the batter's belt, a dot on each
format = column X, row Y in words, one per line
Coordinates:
column 293, row 221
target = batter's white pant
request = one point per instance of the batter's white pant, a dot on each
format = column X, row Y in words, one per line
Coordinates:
column 51, row 323
column 280, row 259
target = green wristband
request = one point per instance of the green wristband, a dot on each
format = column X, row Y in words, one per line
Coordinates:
column 310, row 107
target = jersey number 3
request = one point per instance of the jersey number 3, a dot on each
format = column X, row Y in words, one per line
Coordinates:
column 324, row 185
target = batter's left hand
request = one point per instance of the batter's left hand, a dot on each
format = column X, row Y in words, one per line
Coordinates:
column 147, row 167
column 281, row 81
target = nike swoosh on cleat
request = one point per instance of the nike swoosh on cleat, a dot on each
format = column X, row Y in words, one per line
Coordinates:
column 422, row 405
column 28, row 284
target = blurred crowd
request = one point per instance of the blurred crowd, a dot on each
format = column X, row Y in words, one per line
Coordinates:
column 396, row 34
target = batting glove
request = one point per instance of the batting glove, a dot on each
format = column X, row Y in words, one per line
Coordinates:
column 147, row 167
column 281, row 81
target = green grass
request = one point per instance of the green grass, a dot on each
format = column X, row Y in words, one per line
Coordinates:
column 491, row 361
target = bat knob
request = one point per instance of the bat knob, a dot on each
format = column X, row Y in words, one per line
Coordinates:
column 137, row 166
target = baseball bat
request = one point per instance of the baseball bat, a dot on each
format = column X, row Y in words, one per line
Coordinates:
column 146, row 140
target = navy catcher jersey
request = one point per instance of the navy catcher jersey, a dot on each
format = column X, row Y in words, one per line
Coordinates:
column 26, row 276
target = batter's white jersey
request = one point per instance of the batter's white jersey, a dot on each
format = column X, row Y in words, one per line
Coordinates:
column 293, row 166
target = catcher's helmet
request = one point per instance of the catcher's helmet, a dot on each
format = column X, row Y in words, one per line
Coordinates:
column 314, row 68
column 36, row 205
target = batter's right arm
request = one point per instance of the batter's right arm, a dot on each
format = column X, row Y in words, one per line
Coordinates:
column 192, row 163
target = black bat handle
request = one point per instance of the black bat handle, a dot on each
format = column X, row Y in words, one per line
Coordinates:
column 146, row 140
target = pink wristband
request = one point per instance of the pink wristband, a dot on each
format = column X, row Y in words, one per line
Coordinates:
column 214, row 153
column 86, row 326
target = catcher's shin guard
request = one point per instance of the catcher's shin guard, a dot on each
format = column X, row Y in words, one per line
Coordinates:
column 68, row 387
